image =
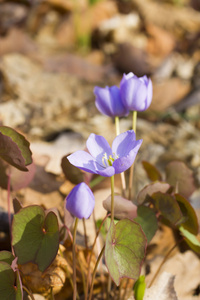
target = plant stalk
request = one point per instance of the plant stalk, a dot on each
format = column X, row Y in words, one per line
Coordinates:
column 132, row 167
column 123, row 181
column 74, row 259
column 94, row 271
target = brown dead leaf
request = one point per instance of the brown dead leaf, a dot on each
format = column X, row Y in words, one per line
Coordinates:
column 168, row 92
column 160, row 42
column 54, row 277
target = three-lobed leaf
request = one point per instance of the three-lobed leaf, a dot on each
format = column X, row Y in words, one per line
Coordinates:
column 146, row 217
column 35, row 237
column 125, row 249
column 168, row 207
column 8, row 289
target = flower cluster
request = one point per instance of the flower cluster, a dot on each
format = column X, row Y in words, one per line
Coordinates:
column 134, row 94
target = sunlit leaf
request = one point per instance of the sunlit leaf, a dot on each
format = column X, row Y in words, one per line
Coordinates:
column 190, row 239
column 146, row 217
column 14, row 148
column 191, row 223
column 181, row 177
column 168, row 207
column 35, row 237
column 152, row 171
column 125, row 250
column 149, row 189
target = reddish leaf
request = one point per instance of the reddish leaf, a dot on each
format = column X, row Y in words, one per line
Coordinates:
column 14, row 148
column 168, row 207
column 149, row 189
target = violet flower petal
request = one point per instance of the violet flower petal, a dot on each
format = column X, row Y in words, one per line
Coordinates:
column 98, row 146
column 80, row 201
column 85, row 162
column 108, row 101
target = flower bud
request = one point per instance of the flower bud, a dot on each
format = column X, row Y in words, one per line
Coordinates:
column 108, row 101
column 136, row 92
column 80, row 201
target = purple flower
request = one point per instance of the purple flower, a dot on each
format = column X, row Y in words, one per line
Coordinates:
column 108, row 101
column 136, row 93
column 80, row 201
column 103, row 160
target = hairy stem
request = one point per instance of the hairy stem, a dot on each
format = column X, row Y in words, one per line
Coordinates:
column 123, row 181
column 74, row 259
column 94, row 271
column 132, row 167
column 112, row 198
column 88, row 274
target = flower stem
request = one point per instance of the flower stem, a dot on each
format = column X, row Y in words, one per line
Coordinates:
column 117, row 128
column 88, row 274
column 132, row 167
column 112, row 198
column 74, row 259
column 94, row 271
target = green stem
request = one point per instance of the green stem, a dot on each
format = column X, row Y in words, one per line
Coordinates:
column 123, row 181
column 88, row 274
column 94, row 272
column 132, row 167
column 28, row 292
column 112, row 198
column 74, row 259
column 117, row 126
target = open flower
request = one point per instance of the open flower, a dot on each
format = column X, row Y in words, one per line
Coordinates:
column 136, row 92
column 80, row 201
column 103, row 160
column 108, row 101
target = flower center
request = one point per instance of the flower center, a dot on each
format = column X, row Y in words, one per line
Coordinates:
column 108, row 161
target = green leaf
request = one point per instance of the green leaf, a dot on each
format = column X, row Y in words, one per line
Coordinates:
column 139, row 288
column 35, row 237
column 146, row 217
column 7, row 257
column 181, row 177
column 152, row 171
column 8, row 290
column 149, row 189
column 14, row 148
column 125, row 249
column 190, row 239
column 168, row 207
column 191, row 223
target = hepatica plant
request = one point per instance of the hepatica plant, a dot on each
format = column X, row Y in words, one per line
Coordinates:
column 36, row 232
